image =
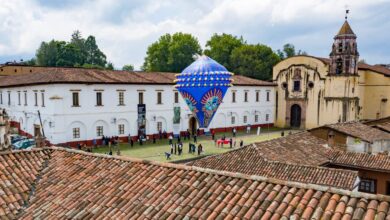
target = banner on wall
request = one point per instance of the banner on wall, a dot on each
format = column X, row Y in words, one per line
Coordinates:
column 141, row 119
column 176, row 115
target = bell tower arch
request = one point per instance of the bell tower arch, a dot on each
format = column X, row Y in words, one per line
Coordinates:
column 344, row 55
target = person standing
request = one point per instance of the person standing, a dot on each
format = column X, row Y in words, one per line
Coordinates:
column 241, row 143
column 94, row 143
column 171, row 148
column 131, row 142
column 189, row 147
column 248, row 129
column 200, row 149
column 180, row 148
column 175, row 149
column 234, row 132
column 213, row 134
column 129, row 138
column 231, row 142
column 170, row 139
column 195, row 139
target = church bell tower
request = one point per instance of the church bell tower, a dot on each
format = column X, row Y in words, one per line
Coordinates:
column 344, row 56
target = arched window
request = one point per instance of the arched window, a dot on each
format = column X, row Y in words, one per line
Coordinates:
column 339, row 66
column 297, row 80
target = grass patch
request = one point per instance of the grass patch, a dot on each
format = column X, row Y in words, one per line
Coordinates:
column 156, row 152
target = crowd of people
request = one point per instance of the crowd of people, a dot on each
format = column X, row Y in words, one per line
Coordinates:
column 175, row 142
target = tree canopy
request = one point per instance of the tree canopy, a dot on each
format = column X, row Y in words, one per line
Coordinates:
column 171, row 53
column 289, row 51
column 221, row 46
column 254, row 61
column 75, row 53
column 128, row 67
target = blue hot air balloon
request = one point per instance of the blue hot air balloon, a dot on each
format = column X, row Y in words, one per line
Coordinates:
column 203, row 85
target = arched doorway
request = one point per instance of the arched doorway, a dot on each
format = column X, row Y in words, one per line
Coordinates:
column 295, row 119
column 192, row 125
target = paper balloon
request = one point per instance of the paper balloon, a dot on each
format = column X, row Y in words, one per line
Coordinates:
column 203, row 84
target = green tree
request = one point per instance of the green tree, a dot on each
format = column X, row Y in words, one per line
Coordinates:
column 79, row 42
column 289, row 51
column 68, row 56
column 78, row 52
column 221, row 46
column 128, row 67
column 109, row 66
column 94, row 55
column 157, row 55
column 171, row 53
column 254, row 61
column 47, row 53
column 31, row 62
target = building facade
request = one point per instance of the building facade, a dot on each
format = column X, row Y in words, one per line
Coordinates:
column 75, row 107
column 4, row 131
column 314, row 91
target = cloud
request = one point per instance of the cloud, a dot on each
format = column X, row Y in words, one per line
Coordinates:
column 124, row 29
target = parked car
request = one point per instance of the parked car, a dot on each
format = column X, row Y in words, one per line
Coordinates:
column 15, row 138
column 24, row 144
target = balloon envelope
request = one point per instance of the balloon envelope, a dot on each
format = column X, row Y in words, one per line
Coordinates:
column 203, row 84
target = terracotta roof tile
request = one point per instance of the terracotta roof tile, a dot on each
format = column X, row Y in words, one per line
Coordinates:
column 360, row 130
column 385, row 126
column 75, row 184
column 380, row 162
column 18, row 173
column 52, row 75
column 259, row 159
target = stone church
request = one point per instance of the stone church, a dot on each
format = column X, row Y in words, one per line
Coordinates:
column 313, row 91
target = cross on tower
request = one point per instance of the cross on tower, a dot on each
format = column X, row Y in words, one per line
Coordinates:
column 346, row 12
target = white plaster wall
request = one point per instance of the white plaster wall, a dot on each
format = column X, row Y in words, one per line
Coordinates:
column 380, row 146
column 353, row 146
column 59, row 117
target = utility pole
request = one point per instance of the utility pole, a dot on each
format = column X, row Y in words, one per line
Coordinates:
column 40, row 121
column 43, row 138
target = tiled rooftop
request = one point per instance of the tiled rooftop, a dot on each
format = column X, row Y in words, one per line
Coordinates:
column 79, row 185
column 81, row 75
column 379, row 162
column 385, row 126
column 381, row 123
column 360, row 130
column 293, row 148
column 19, row 173
column 249, row 160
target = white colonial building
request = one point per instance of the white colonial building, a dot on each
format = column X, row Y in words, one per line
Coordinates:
column 78, row 105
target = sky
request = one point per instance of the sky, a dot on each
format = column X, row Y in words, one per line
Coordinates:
column 125, row 28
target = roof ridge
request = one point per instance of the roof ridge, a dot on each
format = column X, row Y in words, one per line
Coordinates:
column 310, row 166
column 22, row 151
column 234, row 175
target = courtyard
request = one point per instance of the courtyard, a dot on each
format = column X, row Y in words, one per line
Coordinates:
column 156, row 151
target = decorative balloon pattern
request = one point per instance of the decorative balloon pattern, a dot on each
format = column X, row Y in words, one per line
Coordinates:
column 203, row 84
